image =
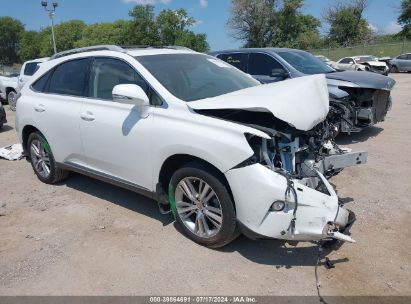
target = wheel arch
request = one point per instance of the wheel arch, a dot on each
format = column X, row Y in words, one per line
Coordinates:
column 173, row 162
column 27, row 130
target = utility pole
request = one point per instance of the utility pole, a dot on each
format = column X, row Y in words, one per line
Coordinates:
column 51, row 12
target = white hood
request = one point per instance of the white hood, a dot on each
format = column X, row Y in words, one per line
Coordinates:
column 301, row 102
column 376, row 63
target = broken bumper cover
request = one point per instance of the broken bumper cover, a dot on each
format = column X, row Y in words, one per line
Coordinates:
column 255, row 188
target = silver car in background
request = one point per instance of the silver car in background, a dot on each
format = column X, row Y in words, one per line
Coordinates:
column 401, row 63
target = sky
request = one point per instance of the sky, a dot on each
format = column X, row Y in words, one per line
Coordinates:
column 211, row 15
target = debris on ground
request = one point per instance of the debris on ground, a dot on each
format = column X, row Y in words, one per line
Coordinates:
column 12, row 152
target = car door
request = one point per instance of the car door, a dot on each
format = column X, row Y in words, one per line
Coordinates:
column 408, row 63
column 345, row 64
column 265, row 68
column 56, row 108
column 239, row 60
column 115, row 137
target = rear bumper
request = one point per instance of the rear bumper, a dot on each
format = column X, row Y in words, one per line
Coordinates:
column 255, row 188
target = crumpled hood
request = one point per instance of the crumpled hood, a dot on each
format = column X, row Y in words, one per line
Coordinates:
column 301, row 102
column 366, row 80
column 376, row 63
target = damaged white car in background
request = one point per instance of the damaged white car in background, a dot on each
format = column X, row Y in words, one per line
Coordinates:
column 220, row 151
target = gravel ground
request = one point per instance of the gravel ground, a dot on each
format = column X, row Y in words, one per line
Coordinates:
column 85, row 237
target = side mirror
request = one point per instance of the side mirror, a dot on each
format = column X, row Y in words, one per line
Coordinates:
column 130, row 94
column 280, row 73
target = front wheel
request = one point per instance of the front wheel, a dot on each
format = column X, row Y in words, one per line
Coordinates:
column 202, row 205
column 42, row 160
column 11, row 97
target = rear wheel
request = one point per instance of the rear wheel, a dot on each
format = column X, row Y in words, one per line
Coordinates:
column 42, row 160
column 202, row 205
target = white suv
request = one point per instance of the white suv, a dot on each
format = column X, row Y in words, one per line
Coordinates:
column 220, row 151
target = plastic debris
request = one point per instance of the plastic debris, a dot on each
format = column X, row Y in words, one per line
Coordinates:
column 13, row 152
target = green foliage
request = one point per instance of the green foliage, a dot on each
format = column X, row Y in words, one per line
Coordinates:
column 170, row 27
column 294, row 29
column 67, row 34
column 105, row 33
column 405, row 18
column 10, row 34
column 253, row 21
column 262, row 23
column 30, row 45
column 347, row 24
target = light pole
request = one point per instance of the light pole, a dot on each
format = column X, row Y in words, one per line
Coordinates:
column 51, row 12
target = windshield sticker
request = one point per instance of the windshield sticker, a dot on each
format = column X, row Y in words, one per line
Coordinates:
column 219, row 63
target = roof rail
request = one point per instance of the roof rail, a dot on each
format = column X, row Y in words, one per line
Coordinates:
column 115, row 48
column 173, row 47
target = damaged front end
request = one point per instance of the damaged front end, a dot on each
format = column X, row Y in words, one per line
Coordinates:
column 301, row 204
column 281, row 191
column 358, row 101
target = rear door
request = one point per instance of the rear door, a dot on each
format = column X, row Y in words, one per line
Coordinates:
column 116, row 138
column 57, row 105
column 265, row 68
column 408, row 63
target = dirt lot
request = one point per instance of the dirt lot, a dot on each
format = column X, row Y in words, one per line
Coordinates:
column 85, row 237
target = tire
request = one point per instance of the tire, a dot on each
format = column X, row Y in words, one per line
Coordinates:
column 394, row 69
column 213, row 221
column 42, row 158
column 11, row 99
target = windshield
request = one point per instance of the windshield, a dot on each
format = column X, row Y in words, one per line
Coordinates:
column 305, row 62
column 192, row 77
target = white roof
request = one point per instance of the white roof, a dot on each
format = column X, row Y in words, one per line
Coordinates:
column 154, row 51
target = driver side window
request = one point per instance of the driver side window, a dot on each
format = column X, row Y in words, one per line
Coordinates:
column 106, row 73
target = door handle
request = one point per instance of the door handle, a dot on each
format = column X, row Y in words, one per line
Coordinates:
column 87, row 116
column 39, row 108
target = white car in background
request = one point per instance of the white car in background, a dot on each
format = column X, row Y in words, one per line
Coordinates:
column 212, row 145
column 28, row 69
column 362, row 63
column 8, row 87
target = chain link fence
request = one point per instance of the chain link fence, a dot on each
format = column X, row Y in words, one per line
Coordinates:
column 378, row 50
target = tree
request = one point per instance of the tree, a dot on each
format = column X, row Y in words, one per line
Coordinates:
column 30, row 45
column 67, row 34
column 253, row 21
column 295, row 29
column 405, row 18
column 143, row 29
column 172, row 25
column 104, row 33
column 347, row 24
column 197, row 42
column 10, row 33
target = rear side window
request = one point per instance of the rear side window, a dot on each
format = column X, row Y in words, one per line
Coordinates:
column 409, row 57
column 236, row 59
column 30, row 68
column 69, row 78
column 262, row 64
column 106, row 73
column 40, row 84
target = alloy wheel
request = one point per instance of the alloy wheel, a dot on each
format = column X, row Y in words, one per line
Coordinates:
column 11, row 100
column 198, row 207
column 40, row 158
